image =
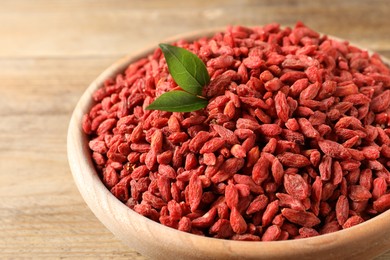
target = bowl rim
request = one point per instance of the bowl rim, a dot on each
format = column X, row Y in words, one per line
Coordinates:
column 83, row 171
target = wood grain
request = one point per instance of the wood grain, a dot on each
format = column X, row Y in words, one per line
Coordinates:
column 100, row 28
column 51, row 50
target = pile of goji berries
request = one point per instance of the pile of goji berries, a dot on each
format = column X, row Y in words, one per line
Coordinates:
column 293, row 143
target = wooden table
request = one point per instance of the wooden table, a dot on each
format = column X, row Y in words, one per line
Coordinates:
column 51, row 50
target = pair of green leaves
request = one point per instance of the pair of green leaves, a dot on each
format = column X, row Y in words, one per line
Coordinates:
column 190, row 73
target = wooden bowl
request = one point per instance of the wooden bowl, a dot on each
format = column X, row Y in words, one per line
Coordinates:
column 157, row 241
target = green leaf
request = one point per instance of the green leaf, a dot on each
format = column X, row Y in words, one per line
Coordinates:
column 177, row 101
column 188, row 71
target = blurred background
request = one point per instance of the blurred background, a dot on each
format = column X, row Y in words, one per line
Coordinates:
column 109, row 28
column 51, row 50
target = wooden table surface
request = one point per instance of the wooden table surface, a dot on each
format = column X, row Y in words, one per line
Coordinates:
column 51, row 50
